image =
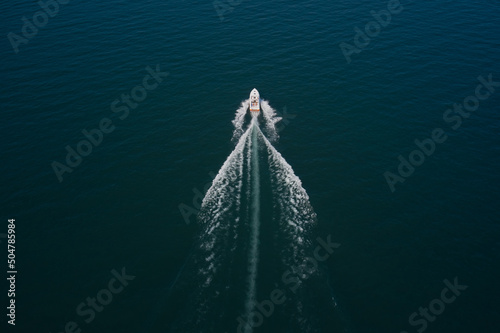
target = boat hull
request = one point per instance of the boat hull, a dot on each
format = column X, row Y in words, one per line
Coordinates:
column 254, row 101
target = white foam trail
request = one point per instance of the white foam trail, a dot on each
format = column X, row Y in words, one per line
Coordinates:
column 296, row 213
column 253, row 256
column 239, row 119
column 220, row 212
column 297, row 216
column 271, row 119
column 229, row 171
column 223, row 197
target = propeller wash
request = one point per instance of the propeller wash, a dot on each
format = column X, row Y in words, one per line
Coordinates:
column 256, row 222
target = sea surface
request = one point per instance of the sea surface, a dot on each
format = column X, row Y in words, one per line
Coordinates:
column 349, row 118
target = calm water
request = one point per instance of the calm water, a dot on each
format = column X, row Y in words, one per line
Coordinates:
column 347, row 124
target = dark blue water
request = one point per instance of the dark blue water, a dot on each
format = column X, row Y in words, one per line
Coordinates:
column 345, row 126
